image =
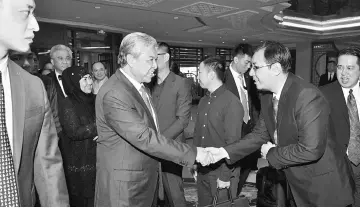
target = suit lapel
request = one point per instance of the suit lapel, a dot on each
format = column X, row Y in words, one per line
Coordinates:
column 167, row 89
column 340, row 101
column 283, row 98
column 271, row 115
column 135, row 92
column 230, row 83
column 18, row 105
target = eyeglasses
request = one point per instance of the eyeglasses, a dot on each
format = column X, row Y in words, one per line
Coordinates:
column 159, row 54
column 259, row 67
column 68, row 59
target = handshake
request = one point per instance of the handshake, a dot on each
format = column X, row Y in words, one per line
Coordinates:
column 210, row 155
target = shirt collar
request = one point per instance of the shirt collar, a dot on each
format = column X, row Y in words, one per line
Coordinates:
column 136, row 84
column 278, row 93
column 355, row 89
column 218, row 91
column 3, row 64
column 234, row 73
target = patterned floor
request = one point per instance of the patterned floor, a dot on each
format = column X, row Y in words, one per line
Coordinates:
column 249, row 191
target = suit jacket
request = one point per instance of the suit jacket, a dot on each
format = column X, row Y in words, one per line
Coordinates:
column 324, row 79
column 253, row 99
column 37, row 159
column 55, row 97
column 173, row 107
column 254, row 108
column 339, row 115
column 129, row 147
column 317, row 171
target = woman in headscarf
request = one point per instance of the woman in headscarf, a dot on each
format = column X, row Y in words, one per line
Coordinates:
column 77, row 118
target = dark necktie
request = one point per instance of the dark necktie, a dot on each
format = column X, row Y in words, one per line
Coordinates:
column 8, row 187
column 59, row 77
column 275, row 102
column 354, row 142
column 145, row 96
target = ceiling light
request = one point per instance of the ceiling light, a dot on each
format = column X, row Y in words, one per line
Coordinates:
column 97, row 7
column 243, row 39
column 96, row 47
column 317, row 28
column 141, row 27
column 220, row 37
column 223, row 42
column 200, row 40
column 261, row 41
column 326, row 22
column 176, row 18
column 77, row 17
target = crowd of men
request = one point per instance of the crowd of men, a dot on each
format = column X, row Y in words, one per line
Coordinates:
column 309, row 133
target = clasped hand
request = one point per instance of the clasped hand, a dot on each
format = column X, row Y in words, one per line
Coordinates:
column 209, row 155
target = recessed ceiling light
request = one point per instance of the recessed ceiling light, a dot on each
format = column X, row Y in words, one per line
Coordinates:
column 97, row 7
column 200, row 40
column 261, row 41
column 223, row 42
column 220, row 37
column 176, row 18
column 243, row 39
column 141, row 27
column 77, row 17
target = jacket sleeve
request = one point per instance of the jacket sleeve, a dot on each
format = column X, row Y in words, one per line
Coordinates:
column 183, row 106
column 250, row 143
column 49, row 175
column 312, row 117
column 233, row 120
column 124, row 118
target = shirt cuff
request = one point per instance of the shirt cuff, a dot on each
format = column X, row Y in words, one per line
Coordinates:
column 223, row 153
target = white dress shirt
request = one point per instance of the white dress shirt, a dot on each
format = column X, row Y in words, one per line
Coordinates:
column 239, row 85
column 97, row 85
column 138, row 86
column 60, row 82
column 8, row 102
column 356, row 93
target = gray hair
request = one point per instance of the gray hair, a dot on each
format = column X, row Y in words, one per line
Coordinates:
column 60, row 47
column 131, row 44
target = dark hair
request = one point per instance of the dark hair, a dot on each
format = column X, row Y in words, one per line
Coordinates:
column 276, row 52
column 352, row 50
column 243, row 49
column 175, row 68
column 164, row 46
column 216, row 64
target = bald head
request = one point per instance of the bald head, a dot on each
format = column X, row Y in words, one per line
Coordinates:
column 99, row 71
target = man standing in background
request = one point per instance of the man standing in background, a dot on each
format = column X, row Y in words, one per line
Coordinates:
column 218, row 123
column 330, row 76
column 100, row 76
column 172, row 100
column 238, row 81
column 344, row 99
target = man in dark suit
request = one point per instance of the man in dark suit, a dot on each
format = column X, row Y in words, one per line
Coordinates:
column 172, row 101
column 129, row 144
column 61, row 57
column 295, row 116
column 340, row 100
column 330, row 76
column 29, row 151
column 238, row 81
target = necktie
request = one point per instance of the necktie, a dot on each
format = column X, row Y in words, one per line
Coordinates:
column 243, row 100
column 60, row 77
column 275, row 102
column 149, row 105
column 8, row 187
column 354, row 142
